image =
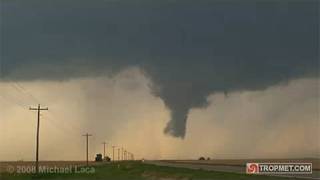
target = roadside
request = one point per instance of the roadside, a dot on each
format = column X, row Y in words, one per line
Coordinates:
column 224, row 168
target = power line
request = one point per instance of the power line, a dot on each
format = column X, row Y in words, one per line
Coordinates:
column 21, row 90
column 13, row 102
column 62, row 129
column 51, row 112
column 15, row 98
column 24, row 90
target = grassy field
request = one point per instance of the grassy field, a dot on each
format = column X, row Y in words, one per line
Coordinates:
column 242, row 162
column 135, row 171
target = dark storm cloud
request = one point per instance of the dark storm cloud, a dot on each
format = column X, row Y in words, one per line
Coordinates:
column 189, row 49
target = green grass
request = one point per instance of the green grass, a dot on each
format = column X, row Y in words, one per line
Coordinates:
column 137, row 171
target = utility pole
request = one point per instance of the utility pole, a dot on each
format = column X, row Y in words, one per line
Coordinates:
column 104, row 150
column 113, row 153
column 39, row 109
column 87, row 136
column 122, row 153
column 118, row 154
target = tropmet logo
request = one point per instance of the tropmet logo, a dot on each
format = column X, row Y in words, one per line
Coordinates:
column 252, row 168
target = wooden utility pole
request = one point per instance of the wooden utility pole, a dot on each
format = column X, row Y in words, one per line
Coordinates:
column 113, row 153
column 122, row 153
column 39, row 109
column 118, row 154
column 87, row 136
column 104, row 150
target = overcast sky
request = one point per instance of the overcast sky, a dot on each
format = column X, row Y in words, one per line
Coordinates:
column 240, row 76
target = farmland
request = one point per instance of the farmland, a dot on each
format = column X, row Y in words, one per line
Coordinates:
column 124, row 170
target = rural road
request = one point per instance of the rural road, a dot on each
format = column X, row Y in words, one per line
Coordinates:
column 223, row 168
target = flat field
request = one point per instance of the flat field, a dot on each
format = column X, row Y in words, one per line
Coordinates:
column 133, row 170
column 242, row 162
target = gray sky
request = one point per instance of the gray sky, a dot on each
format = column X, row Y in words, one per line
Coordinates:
column 181, row 55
